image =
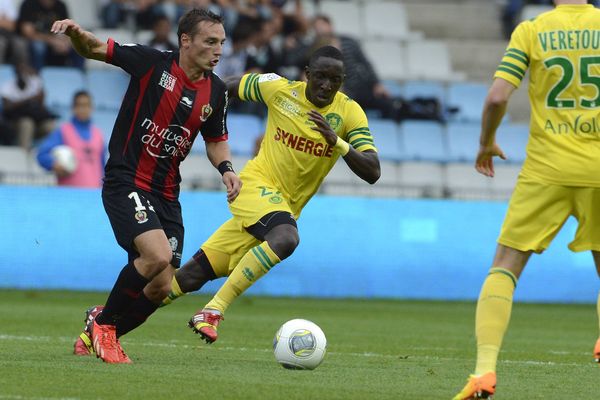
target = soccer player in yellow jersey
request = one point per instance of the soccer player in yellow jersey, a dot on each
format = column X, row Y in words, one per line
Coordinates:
column 309, row 126
column 561, row 174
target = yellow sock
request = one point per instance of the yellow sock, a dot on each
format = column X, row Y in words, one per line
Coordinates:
column 492, row 317
column 598, row 310
column 175, row 293
column 253, row 265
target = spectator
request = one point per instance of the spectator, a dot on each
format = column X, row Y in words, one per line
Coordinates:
column 12, row 46
column 235, row 51
column 23, row 106
column 361, row 82
column 34, row 23
column 85, row 140
column 146, row 13
column 296, row 44
column 113, row 12
column 263, row 56
column 161, row 39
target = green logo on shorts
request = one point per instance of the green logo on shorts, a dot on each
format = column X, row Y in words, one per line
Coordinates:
column 275, row 196
column 276, row 199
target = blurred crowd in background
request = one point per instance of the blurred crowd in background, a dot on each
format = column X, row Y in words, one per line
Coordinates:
column 263, row 36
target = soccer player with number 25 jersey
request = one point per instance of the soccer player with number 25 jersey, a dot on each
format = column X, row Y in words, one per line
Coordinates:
column 561, row 174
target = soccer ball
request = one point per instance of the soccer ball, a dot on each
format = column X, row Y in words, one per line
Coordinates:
column 65, row 157
column 299, row 344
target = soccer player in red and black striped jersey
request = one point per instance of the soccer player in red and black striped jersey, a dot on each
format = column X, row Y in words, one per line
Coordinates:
column 172, row 96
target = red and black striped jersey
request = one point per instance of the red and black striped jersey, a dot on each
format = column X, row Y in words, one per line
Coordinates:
column 161, row 115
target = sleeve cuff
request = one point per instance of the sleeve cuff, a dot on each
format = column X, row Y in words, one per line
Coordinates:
column 222, row 138
column 110, row 50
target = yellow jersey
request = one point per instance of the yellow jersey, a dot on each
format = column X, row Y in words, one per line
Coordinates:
column 561, row 49
column 292, row 156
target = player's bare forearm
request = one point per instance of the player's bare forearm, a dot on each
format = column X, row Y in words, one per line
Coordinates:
column 84, row 42
column 364, row 164
column 494, row 109
column 233, row 85
column 490, row 120
column 218, row 152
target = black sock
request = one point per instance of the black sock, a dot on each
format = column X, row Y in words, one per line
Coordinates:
column 127, row 288
column 137, row 314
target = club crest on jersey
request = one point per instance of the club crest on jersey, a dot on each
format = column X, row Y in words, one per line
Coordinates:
column 205, row 113
column 173, row 242
column 167, row 81
column 334, row 120
column 141, row 216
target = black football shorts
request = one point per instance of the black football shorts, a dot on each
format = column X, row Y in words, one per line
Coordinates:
column 133, row 211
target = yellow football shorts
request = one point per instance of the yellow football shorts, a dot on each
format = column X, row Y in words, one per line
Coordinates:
column 537, row 211
column 228, row 244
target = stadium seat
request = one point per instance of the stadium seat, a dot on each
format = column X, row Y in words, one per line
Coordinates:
column 464, row 182
column 428, row 59
column 463, row 141
column 387, row 19
column 14, row 160
column 198, row 173
column 105, row 120
column 387, row 57
column 468, row 97
column 85, row 14
column 243, row 129
column 60, row 83
column 386, row 136
column 107, row 87
column 339, row 174
column 345, row 17
column 339, row 180
column 393, row 86
column 530, row 11
column 421, row 179
column 512, row 138
column 239, row 162
column 504, row 180
column 121, row 36
column 415, row 89
column 422, row 141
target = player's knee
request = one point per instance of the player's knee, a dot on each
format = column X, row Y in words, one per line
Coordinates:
column 190, row 279
column 155, row 262
column 195, row 273
column 283, row 240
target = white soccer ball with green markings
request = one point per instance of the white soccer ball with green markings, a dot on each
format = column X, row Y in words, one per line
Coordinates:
column 299, row 344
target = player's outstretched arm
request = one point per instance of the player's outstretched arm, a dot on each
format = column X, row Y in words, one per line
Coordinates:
column 233, row 85
column 219, row 155
column 364, row 164
column 493, row 112
column 84, row 42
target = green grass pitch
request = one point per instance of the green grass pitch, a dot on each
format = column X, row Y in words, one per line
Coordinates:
column 376, row 350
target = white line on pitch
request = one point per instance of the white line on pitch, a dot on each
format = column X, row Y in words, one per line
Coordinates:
column 178, row 344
